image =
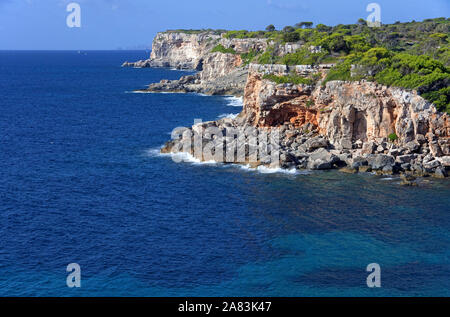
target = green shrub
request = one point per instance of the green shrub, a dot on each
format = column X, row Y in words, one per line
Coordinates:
column 187, row 31
column 357, row 43
column 243, row 34
column 440, row 37
column 302, row 57
column 290, row 79
column 221, row 49
column 342, row 71
column 393, row 137
column 291, row 37
column 308, row 35
column 334, row 43
column 268, row 57
column 440, row 98
column 323, row 28
column 429, row 77
column 247, row 58
column 414, row 55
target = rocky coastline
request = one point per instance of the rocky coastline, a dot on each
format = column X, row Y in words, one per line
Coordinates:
column 358, row 126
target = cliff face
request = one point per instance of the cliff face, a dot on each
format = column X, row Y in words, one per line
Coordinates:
column 348, row 125
column 369, row 112
column 267, row 104
column 218, row 74
column 189, row 51
column 222, row 74
column 356, row 122
column 346, row 112
column 361, row 125
column 192, row 51
column 180, row 50
column 216, row 65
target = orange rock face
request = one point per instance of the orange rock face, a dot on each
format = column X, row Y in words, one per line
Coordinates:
column 346, row 112
column 267, row 105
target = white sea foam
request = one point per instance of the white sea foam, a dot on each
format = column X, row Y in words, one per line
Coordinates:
column 273, row 170
column 152, row 92
column 164, row 93
column 268, row 170
column 139, row 92
column 234, row 101
column 182, row 157
column 188, row 158
column 154, row 152
column 228, row 115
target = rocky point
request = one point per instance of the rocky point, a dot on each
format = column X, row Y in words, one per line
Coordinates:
column 358, row 126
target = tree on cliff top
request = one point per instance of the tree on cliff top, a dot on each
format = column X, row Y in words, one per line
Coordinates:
column 362, row 22
column 288, row 29
column 270, row 28
column 323, row 28
column 306, row 25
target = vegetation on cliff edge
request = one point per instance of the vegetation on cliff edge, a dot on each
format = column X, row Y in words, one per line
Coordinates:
column 221, row 49
column 292, row 78
column 412, row 55
column 431, row 78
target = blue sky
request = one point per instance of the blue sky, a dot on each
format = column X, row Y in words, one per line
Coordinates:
column 112, row 24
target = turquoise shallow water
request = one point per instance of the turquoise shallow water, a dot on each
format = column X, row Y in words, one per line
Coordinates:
column 80, row 181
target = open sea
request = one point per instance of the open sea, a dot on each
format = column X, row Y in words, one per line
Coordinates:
column 81, row 181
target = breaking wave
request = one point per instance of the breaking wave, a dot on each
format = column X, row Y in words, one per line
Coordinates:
column 188, row 158
column 235, row 101
column 228, row 115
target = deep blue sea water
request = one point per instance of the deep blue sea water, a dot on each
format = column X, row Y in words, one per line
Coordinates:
column 80, row 181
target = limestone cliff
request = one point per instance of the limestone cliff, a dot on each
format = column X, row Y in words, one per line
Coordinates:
column 219, row 73
column 178, row 50
column 182, row 50
column 362, row 125
column 345, row 112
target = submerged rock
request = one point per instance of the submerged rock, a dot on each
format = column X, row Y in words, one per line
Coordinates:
column 440, row 173
column 408, row 180
column 349, row 170
column 365, row 169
